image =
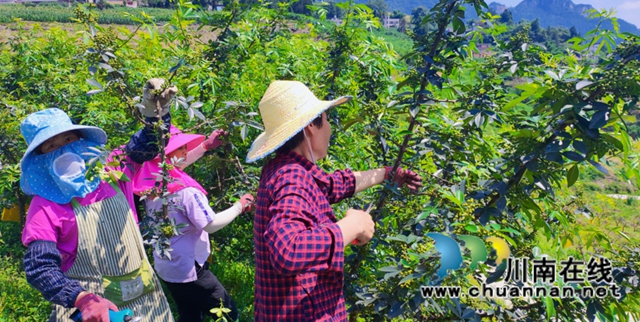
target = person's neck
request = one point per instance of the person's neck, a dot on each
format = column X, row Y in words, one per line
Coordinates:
column 303, row 151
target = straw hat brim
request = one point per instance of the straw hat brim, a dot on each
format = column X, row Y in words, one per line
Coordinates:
column 267, row 142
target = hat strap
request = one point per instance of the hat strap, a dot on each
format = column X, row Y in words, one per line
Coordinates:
column 313, row 159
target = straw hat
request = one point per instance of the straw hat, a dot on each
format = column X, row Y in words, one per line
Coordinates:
column 286, row 108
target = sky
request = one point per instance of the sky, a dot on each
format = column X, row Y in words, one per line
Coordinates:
column 628, row 10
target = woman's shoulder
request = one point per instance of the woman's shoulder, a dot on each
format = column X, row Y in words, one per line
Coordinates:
column 39, row 204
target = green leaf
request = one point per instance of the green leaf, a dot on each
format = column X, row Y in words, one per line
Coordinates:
column 511, row 230
column 410, row 277
column 599, row 120
column 454, row 198
column 572, row 175
column 551, row 310
column 389, row 269
column 513, row 68
column 94, row 83
column 471, row 228
column 348, row 123
column 119, row 175
column 573, row 156
column 615, row 142
column 599, row 166
column 552, row 74
column 627, row 142
column 583, row 84
column 529, row 90
column 580, row 147
column 94, row 91
column 459, row 26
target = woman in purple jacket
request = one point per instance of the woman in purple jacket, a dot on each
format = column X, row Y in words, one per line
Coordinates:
column 186, row 272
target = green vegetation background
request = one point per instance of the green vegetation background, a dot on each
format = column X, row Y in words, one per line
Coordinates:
column 49, row 67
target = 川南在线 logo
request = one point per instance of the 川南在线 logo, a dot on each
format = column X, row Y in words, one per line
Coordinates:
column 451, row 255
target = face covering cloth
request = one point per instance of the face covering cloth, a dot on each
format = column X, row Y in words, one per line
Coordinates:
column 59, row 176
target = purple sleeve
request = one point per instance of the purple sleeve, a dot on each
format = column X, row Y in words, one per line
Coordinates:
column 45, row 220
column 342, row 185
column 296, row 243
column 196, row 207
column 42, row 267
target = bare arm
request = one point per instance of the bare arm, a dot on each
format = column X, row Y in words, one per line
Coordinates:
column 367, row 179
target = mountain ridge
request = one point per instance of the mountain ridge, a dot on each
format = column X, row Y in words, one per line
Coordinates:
column 563, row 13
column 554, row 13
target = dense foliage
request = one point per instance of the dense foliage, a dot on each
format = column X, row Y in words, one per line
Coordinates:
column 497, row 138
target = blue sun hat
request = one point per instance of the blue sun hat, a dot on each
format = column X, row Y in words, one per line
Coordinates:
column 36, row 129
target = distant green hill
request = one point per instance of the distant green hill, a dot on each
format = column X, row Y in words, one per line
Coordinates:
column 562, row 13
column 555, row 13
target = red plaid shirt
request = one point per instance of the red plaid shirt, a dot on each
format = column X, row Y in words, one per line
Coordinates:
column 299, row 246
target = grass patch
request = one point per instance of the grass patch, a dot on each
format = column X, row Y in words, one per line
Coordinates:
column 18, row 300
column 237, row 277
column 401, row 43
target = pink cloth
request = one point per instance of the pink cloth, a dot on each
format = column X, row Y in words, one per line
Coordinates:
column 47, row 220
column 145, row 179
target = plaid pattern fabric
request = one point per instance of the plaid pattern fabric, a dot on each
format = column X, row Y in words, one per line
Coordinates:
column 299, row 246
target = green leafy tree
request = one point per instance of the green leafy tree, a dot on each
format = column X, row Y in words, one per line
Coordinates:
column 573, row 32
column 420, row 26
column 506, row 17
column 333, row 11
column 397, row 14
column 300, row 6
column 535, row 27
column 379, row 8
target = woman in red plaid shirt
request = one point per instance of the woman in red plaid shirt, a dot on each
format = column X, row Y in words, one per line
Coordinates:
column 299, row 241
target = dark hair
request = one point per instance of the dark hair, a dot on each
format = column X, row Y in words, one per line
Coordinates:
column 295, row 140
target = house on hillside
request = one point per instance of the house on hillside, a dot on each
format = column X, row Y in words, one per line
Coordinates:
column 128, row 3
column 336, row 20
column 388, row 22
column 484, row 50
column 23, row 1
